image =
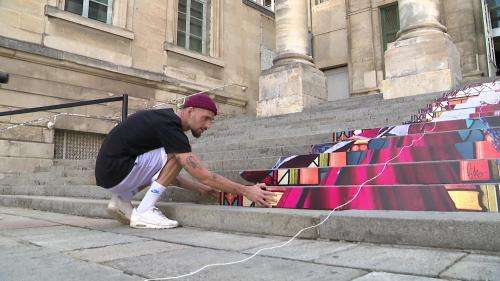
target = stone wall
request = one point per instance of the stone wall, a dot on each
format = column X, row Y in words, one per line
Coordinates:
column 349, row 33
column 54, row 57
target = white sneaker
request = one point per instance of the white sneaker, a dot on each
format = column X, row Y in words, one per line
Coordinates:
column 151, row 219
column 120, row 209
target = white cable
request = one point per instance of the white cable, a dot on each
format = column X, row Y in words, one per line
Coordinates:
column 306, row 228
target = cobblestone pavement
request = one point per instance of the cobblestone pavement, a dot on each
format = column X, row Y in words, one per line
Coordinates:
column 39, row 246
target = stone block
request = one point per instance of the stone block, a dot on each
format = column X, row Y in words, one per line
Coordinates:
column 16, row 222
column 129, row 250
column 434, row 229
column 22, row 164
column 83, row 124
column 31, row 23
column 475, row 267
column 26, row 149
column 304, row 250
column 259, row 268
column 383, row 276
column 47, row 264
column 290, row 88
column 398, row 260
column 80, row 39
column 422, row 64
column 329, row 17
column 417, row 84
column 330, row 49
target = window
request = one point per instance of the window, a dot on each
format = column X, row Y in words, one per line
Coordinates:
column 100, row 10
column 269, row 4
column 317, row 2
column 389, row 16
column 494, row 6
column 192, row 25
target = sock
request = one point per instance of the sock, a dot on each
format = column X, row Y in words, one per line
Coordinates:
column 152, row 196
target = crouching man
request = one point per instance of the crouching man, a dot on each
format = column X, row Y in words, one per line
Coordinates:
column 149, row 149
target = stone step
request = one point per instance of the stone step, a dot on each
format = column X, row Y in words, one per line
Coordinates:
column 328, row 106
column 264, row 143
column 485, row 114
column 416, row 140
column 444, row 126
column 460, row 151
column 372, row 116
column 33, row 179
column 423, row 173
column 460, row 230
column 415, row 128
column 412, row 109
column 274, row 137
column 173, row 194
column 399, row 197
column 337, row 106
column 328, row 126
column 276, row 151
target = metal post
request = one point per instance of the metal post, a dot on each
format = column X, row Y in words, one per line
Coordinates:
column 124, row 107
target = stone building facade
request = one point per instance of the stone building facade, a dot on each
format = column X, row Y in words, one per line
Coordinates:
column 59, row 51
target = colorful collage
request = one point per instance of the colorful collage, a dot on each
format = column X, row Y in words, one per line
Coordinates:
column 454, row 166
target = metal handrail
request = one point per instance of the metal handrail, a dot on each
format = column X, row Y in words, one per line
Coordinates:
column 123, row 99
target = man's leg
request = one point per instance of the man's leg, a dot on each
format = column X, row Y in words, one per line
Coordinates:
column 147, row 215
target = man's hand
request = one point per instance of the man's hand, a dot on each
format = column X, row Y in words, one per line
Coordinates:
column 193, row 166
column 257, row 194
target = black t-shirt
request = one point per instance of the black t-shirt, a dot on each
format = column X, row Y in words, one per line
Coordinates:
column 141, row 132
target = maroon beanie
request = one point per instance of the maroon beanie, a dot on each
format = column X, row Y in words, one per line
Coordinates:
column 200, row 100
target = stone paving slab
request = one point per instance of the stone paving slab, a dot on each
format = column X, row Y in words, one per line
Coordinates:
column 121, row 251
column 83, row 241
column 382, row 276
column 261, row 268
column 475, row 267
column 417, row 261
column 111, row 251
column 201, row 238
column 13, row 222
column 304, row 250
column 32, row 232
column 45, row 265
column 65, row 219
column 68, row 237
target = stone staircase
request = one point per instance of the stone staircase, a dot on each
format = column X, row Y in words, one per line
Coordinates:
column 451, row 163
column 249, row 143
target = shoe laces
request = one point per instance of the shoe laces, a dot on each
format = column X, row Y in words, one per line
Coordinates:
column 157, row 212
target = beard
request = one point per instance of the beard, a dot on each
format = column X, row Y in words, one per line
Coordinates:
column 195, row 134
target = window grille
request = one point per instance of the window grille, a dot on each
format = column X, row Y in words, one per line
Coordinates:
column 76, row 145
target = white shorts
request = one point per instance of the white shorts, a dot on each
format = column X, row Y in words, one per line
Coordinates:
column 146, row 169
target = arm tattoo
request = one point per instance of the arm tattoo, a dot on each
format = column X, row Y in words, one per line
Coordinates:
column 192, row 162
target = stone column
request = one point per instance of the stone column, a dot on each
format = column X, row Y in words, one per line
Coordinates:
column 423, row 59
column 291, row 32
column 293, row 83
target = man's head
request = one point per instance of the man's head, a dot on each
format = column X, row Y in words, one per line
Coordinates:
column 197, row 113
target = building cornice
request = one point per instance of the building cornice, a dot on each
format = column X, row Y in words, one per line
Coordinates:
column 49, row 56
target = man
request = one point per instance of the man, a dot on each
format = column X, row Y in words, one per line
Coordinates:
column 150, row 148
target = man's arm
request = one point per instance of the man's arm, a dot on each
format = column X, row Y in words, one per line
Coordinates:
column 193, row 166
column 186, row 183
